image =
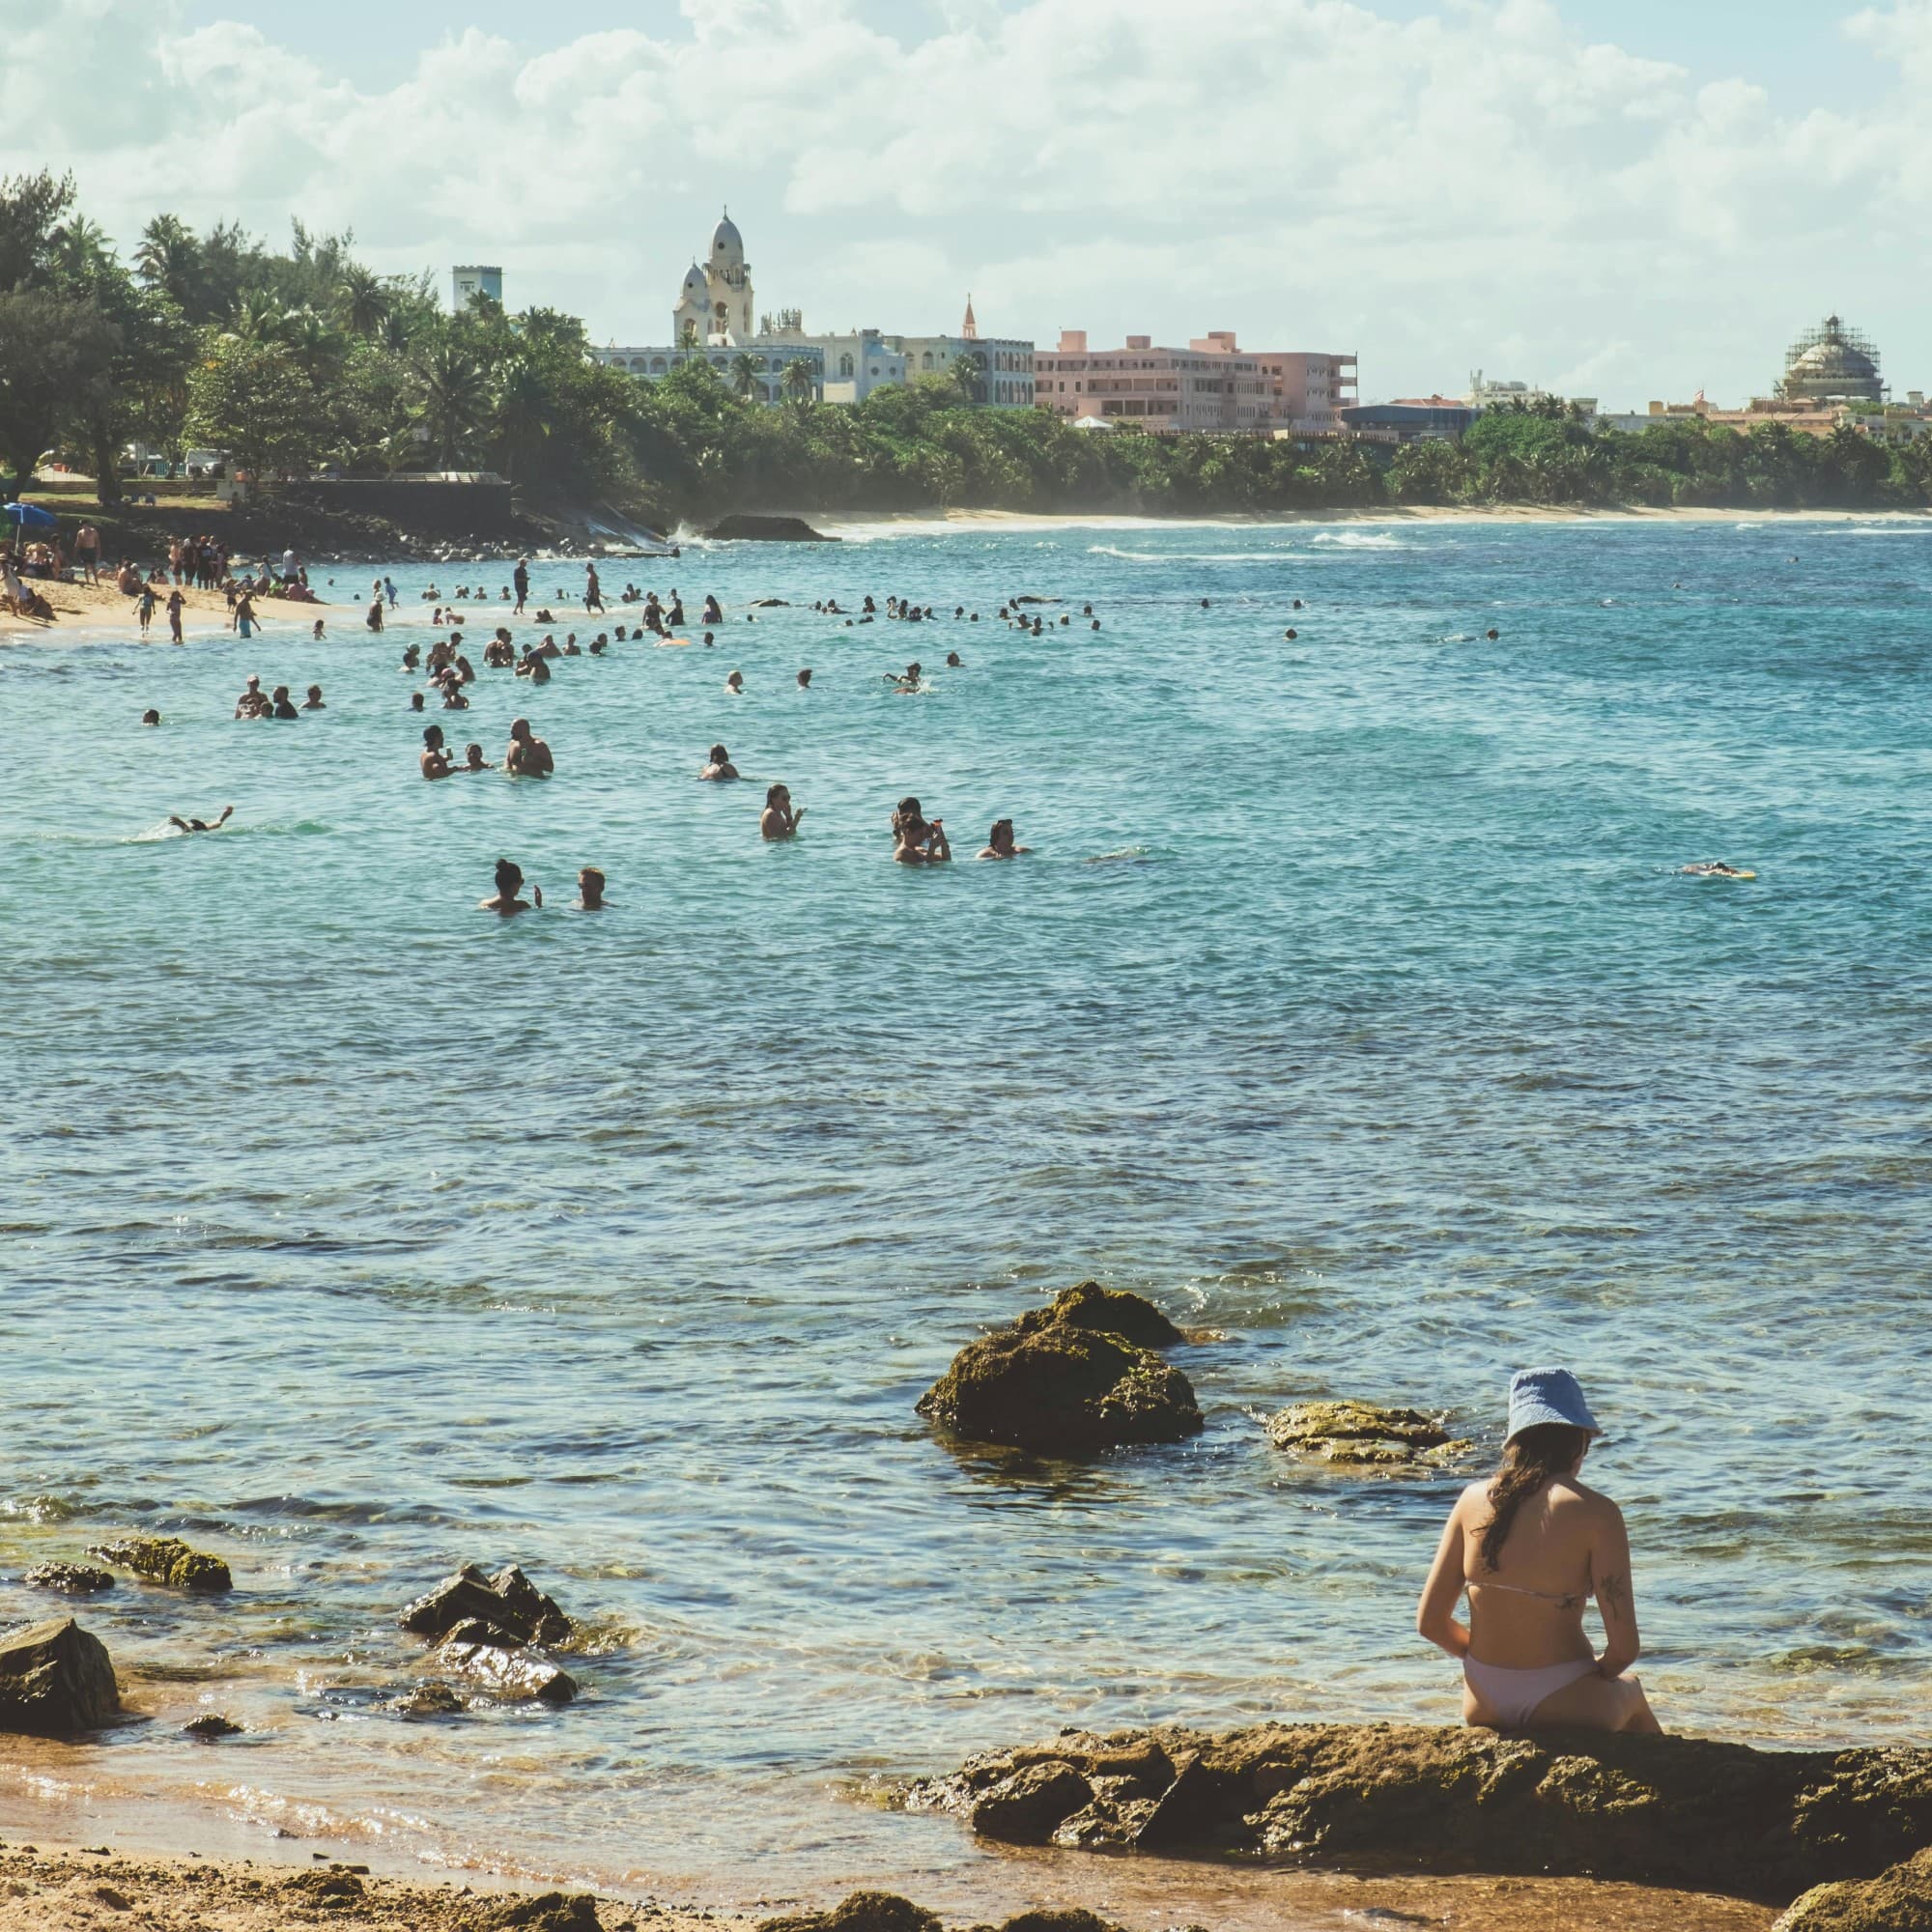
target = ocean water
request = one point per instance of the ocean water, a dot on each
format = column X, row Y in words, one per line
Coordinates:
column 1351, row 1005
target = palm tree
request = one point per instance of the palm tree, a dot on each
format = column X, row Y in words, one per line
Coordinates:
column 968, row 373
column 364, row 301
column 396, row 330
column 455, row 402
column 744, row 376
column 522, row 403
column 81, row 245
column 801, row 385
column 168, row 256
column 259, row 317
column 316, row 341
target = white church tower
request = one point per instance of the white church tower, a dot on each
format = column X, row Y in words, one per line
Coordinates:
column 716, row 303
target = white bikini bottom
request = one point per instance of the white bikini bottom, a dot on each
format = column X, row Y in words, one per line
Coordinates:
column 1513, row 1695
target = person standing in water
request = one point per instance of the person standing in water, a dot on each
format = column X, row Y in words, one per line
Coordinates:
column 1000, row 842
column 509, row 883
column 520, row 579
column 593, row 594
column 1531, row 1546
column 590, row 890
column 779, row 820
column 174, row 603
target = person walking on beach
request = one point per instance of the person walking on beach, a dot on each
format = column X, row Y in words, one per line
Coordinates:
column 87, row 552
column 1532, row 1546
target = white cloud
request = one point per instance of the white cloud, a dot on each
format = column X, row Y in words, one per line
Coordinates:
column 1475, row 184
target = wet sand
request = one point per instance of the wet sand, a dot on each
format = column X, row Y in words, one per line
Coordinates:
column 101, row 607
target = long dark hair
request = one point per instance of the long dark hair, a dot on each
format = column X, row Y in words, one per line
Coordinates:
column 1532, row 1457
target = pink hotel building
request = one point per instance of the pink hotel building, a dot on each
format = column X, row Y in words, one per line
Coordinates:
column 1212, row 384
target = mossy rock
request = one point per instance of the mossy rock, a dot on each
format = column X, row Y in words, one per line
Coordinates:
column 862, row 1911
column 1107, row 1311
column 1062, row 1391
column 1899, row 1900
column 71, row 1579
column 1358, row 1432
column 167, row 1559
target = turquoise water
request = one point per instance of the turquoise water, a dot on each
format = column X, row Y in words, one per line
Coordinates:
column 1351, row 1005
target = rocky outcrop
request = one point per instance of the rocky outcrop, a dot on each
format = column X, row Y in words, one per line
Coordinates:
column 862, row 1911
column 1663, row 1810
column 1107, row 1311
column 765, row 529
column 56, row 1680
column 212, row 1727
column 1899, row 1900
column 1357, row 1432
column 71, row 1579
column 167, row 1559
column 1069, row 1378
column 508, row 1606
column 428, row 1700
column 518, row 1676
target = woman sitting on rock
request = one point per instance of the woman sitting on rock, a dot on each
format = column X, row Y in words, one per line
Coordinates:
column 1531, row 1546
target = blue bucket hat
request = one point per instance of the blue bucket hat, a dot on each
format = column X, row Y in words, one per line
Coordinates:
column 1547, row 1395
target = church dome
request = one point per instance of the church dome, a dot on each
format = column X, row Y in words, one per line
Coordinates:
column 697, row 288
column 727, row 245
column 1835, row 359
column 1833, row 362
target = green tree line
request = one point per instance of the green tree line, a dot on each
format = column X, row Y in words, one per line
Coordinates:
column 304, row 360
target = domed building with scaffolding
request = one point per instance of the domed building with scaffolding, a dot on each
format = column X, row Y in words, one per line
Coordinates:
column 1831, row 363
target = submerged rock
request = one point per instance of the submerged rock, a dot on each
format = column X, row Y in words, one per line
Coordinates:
column 74, row 1579
column 1357, row 1432
column 1665, row 1811
column 1109, row 1311
column 1061, row 1390
column 1899, row 1900
column 55, row 1679
column 516, row 1675
column 429, row 1700
column 167, row 1559
column 508, row 1606
column 212, row 1726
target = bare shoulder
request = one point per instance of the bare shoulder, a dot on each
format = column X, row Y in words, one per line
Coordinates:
column 1474, row 1499
column 1584, row 1500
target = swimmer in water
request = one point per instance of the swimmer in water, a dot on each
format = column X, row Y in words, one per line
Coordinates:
column 779, row 820
column 283, row 707
column 201, row 824
column 590, row 890
column 527, row 757
column 473, row 759
column 805, row 678
column 314, row 701
column 1000, row 842
column 1715, row 868
column 509, row 883
column 954, row 662
column 919, row 840
column 735, row 684
column 151, row 718
column 907, row 680
column 721, row 770
column 432, row 758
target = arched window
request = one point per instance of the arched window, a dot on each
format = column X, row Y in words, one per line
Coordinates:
column 657, row 365
column 925, row 360
column 845, row 366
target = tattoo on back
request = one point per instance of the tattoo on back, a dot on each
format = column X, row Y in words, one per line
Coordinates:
column 1614, row 1593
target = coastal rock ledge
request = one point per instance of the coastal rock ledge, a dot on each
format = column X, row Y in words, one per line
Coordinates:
column 1655, row 1810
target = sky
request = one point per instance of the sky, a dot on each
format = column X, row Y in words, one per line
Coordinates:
column 1621, row 198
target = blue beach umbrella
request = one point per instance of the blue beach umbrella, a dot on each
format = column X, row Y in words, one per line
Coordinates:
column 29, row 516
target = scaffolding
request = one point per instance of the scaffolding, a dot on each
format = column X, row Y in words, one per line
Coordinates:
column 1831, row 361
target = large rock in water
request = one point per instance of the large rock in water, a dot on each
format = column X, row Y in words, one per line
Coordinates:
column 1069, row 1378
column 1660, row 1810
column 167, row 1559
column 765, row 529
column 1061, row 1392
column 507, row 1605
column 1899, row 1900
column 55, row 1680
column 505, row 1670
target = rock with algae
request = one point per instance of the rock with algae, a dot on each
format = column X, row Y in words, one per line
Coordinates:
column 1070, row 1379
column 507, row 1603
column 1897, row 1900
column 71, row 1579
column 1663, row 1810
column 1358, row 1432
column 167, row 1559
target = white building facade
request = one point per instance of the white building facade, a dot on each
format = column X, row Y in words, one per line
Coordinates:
column 471, row 280
column 712, row 321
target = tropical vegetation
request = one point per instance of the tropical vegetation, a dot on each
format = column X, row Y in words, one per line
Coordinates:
column 302, row 360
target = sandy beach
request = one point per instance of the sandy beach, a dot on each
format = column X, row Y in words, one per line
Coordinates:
column 97, row 607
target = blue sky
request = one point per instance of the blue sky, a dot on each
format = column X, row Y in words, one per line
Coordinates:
column 1631, row 200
